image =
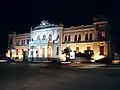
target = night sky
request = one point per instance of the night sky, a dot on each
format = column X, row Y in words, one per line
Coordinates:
column 20, row 15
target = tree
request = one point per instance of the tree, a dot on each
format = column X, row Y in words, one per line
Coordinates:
column 66, row 51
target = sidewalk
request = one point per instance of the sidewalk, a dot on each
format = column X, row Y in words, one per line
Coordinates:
column 66, row 65
column 84, row 65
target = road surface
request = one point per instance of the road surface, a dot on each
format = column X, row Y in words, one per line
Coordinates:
column 24, row 77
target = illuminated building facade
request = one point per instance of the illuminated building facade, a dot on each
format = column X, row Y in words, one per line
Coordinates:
column 48, row 40
column 45, row 41
column 89, row 37
column 17, row 43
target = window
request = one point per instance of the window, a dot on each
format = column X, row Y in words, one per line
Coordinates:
column 69, row 38
column 101, row 50
column 88, row 48
column 44, row 37
column 21, row 42
column 32, row 53
column 79, row 37
column 38, row 38
column 28, row 51
column 65, row 38
column 57, row 39
column 24, row 42
column 31, row 39
column 75, row 38
column 103, row 34
column 22, row 51
column 17, row 42
column 77, row 49
column 50, row 37
column 90, row 38
column 57, row 52
column 32, row 47
column 27, row 41
column 17, row 52
column 86, row 37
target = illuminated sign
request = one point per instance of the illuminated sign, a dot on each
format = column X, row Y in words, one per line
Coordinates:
column 72, row 55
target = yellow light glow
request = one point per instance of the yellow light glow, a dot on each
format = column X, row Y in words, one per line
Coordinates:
column 97, row 57
column 63, row 57
column 116, row 61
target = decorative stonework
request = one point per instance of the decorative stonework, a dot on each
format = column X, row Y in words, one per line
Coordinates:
column 46, row 34
column 45, row 24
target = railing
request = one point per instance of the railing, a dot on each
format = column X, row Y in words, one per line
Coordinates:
column 83, row 41
column 38, row 41
column 22, row 45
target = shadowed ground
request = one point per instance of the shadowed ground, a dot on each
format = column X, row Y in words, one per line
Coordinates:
column 24, row 77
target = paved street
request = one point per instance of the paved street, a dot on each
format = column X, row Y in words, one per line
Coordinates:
column 24, row 77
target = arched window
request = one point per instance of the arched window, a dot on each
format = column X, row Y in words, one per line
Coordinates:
column 27, row 41
column 44, row 37
column 79, row 37
column 75, row 38
column 90, row 37
column 86, row 37
column 38, row 38
column 57, row 39
column 69, row 38
column 50, row 37
column 16, row 51
column 31, row 39
column 65, row 38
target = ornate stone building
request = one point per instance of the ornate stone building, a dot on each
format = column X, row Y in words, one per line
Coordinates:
column 45, row 41
column 89, row 37
column 17, row 43
column 48, row 40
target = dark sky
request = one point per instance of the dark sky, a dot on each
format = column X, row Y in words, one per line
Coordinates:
column 22, row 14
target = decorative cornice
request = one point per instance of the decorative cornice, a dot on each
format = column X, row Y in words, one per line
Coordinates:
column 45, row 24
column 80, row 27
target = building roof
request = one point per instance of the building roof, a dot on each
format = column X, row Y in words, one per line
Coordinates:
column 80, row 27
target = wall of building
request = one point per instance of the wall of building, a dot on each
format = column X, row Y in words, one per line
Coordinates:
column 20, row 43
column 18, row 52
column 46, row 30
column 95, row 46
column 96, row 37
